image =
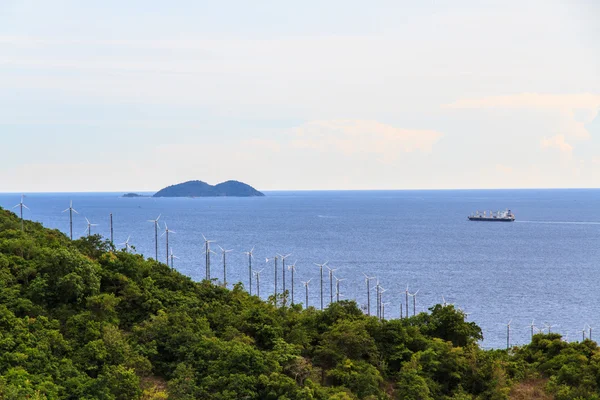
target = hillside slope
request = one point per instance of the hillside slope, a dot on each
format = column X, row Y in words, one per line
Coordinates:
column 81, row 320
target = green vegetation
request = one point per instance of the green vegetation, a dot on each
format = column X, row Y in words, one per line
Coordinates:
column 80, row 320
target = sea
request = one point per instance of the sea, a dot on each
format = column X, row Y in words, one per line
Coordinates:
column 542, row 268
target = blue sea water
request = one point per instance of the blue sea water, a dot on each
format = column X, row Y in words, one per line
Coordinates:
column 544, row 266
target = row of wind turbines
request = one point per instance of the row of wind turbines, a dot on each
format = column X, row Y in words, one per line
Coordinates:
column 254, row 275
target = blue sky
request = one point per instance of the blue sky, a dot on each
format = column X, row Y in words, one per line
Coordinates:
column 317, row 95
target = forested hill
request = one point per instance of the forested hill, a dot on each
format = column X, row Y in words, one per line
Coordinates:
column 81, row 320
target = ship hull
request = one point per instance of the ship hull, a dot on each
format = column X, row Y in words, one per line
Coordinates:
column 486, row 219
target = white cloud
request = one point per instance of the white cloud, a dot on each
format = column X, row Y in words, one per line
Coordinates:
column 574, row 110
column 557, row 142
column 352, row 137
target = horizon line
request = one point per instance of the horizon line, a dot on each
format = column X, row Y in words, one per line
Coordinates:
column 314, row 190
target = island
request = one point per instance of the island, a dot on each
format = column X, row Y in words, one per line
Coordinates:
column 134, row 195
column 203, row 189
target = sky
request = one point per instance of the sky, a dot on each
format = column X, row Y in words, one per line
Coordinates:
column 311, row 95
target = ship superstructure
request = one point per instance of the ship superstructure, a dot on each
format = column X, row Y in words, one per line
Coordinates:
column 499, row 216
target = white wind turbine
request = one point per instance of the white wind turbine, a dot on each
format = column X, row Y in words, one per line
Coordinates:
column 89, row 227
column 532, row 326
column 381, row 292
column 257, row 274
column 321, row 268
column 155, row 222
column 508, row 335
column 224, row 253
column 367, row 281
column 283, row 273
column 172, row 257
column 71, row 210
column 126, row 244
column 207, row 252
column 275, row 276
column 306, row 287
column 331, row 271
column 166, row 232
column 21, row 205
column 250, row 256
column 292, row 268
column 383, row 310
column 414, row 296
column 337, row 288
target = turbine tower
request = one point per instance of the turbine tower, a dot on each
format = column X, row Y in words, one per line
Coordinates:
column 207, row 252
column 155, row 222
column 508, row 335
column 274, row 280
column 166, row 232
column 89, row 227
column 21, row 205
column 257, row 273
column 306, row 287
column 321, row 268
column 337, row 288
column 224, row 252
column 71, row 210
column 367, row 281
column 249, row 254
column 111, row 229
column 331, row 271
column 283, row 274
column 293, row 269
column 172, row 257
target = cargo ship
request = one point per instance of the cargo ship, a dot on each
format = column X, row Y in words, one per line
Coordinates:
column 499, row 216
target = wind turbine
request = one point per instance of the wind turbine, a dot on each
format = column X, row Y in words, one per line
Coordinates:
column 414, row 296
column 406, row 303
column 532, row 326
column 89, row 227
column 383, row 310
column 274, row 280
column 337, row 288
column 21, row 205
column 321, row 268
column 249, row 254
column 283, row 273
column 166, row 232
column 549, row 327
column 155, row 222
column 126, row 243
column 111, row 229
column 207, row 252
column 583, row 333
column 590, row 335
column 257, row 273
column 381, row 292
column 172, row 257
column 224, row 252
column 293, row 269
column 71, row 210
column 331, row 271
column 377, row 289
column 306, row 287
column 508, row 335
column 367, row 281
